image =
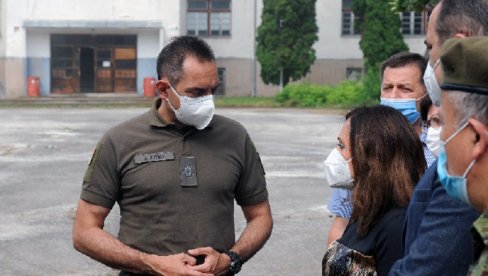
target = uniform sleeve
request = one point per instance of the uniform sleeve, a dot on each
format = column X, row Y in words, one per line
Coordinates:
column 101, row 182
column 443, row 243
column 251, row 188
column 340, row 203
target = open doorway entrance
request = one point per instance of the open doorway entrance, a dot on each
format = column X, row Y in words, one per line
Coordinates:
column 93, row 63
column 87, row 69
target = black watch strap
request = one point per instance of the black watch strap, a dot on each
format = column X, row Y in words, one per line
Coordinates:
column 235, row 262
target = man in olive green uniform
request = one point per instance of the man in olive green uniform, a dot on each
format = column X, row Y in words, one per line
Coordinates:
column 175, row 172
column 463, row 162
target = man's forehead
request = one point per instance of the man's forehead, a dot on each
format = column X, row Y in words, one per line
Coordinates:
column 404, row 74
column 200, row 72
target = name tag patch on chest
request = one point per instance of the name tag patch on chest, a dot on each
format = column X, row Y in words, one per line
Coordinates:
column 154, row 157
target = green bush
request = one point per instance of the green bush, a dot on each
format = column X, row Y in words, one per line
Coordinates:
column 347, row 93
column 303, row 95
column 372, row 84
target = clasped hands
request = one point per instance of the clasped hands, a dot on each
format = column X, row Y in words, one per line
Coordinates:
column 215, row 263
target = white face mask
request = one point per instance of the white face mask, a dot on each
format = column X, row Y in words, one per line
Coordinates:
column 433, row 140
column 197, row 112
column 337, row 173
column 431, row 83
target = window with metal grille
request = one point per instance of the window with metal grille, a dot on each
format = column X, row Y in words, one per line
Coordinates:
column 221, row 89
column 414, row 23
column 348, row 19
column 354, row 73
column 208, row 17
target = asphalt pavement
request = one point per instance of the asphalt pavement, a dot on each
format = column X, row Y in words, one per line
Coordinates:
column 44, row 153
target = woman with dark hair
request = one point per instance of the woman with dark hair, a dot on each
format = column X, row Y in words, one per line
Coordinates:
column 381, row 155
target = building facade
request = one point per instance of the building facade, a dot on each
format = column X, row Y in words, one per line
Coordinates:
column 92, row 46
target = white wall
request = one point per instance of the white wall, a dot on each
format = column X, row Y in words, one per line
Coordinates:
column 241, row 42
column 416, row 43
column 2, row 27
column 38, row 44
column 165, row 11
column 97, row 10
column 148, row 44
column 14, row 33
column 333, row 45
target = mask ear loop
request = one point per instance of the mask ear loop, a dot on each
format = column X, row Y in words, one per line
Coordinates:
column 177, row 95
column 469, row 168
column 463, row 126
column 436, row 64
column 423, row 96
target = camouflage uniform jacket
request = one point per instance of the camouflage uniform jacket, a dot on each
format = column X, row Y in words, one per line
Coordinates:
column 480, row 242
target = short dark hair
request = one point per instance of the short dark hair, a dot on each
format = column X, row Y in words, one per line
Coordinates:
column 467, row 15
column 405, row 58
column 171, row 58
column 388, row 160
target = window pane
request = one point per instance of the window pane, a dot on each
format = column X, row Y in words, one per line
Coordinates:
column 418, row 23
column 220, row 4
column 191, row 21
column 197, row 4
column 125, row 64
column 346, row 4
column 62, row 52
column 220, row 23
column 196, row 23
column 406, row 23
column 354, row 74
column 62, row 63
column 221, row 74
column 202, row 23
column 104, row 54
column 58, row 40
column 215, row 23
column 346, row 23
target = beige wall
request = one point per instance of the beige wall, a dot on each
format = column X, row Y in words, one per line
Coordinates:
column 3, row 91
column 331, row 71
column 239, row 78
column 11, row 77
column 239, row 75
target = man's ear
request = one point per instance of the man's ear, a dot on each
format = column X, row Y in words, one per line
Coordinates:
column 162, row 87
column 481, row 138
column 463, row 33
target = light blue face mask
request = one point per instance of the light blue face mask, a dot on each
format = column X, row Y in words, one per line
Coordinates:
column 408, row 107
column 456, row 186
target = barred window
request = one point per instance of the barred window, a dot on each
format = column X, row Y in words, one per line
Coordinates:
column 208, row 17
column 414, row 23
column 348, row 19
column 221, row 73
column 354, row 74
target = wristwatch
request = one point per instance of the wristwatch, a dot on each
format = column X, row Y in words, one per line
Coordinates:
column 235, row 262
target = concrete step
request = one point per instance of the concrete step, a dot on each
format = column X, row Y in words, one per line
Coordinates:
column 80, row 99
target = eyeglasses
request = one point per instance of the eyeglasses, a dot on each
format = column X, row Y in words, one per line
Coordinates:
column 434, row 121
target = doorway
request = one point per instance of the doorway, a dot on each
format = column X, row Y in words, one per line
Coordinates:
column 93, row 63
column 87, row 69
